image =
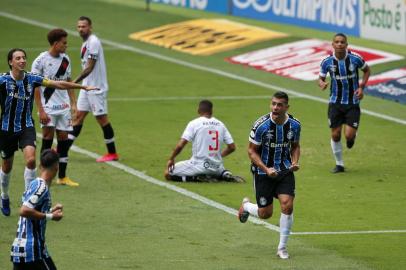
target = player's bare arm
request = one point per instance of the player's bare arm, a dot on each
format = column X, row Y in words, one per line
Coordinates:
column 90, row 64
column 295, row 155
column 228, row 150
column 62, row 85
column 253, row 154
column 360, row 91
column 178, row 148
column 31, row 213
column 322, row 83
column 43, row 117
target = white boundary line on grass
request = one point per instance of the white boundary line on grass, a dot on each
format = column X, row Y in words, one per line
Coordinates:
column 212, row 203
column 198, row 67
column 130, row 99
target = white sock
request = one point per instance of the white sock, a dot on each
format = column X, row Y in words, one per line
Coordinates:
column 337, row 152
column 251, row 208
column 5, row 180
column 285, row 224
column 29, row 175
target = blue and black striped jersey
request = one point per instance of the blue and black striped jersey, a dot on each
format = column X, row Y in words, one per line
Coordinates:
column 29, row 244
column 16, row 101
column 344, row 77
column 275, row 141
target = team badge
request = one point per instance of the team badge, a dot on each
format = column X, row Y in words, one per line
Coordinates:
column 351, row 67
column 289, row 135
column 262, row 201
column 34, row 199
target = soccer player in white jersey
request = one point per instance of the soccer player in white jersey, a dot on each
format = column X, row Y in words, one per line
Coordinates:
column 94, row 73
column 207, row 135
column 54, row 107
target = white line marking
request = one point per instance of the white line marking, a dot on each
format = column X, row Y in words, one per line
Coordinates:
column 199, row 67
column 180, row 190
column 190, row 98
column 209, row 202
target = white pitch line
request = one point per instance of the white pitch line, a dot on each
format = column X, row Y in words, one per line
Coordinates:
column 199, row 67
column 212, row 203
column 129, row 99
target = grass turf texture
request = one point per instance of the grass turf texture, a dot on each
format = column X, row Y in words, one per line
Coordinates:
column 116, row 221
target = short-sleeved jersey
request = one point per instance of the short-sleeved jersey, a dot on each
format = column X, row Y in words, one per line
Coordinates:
column 16, row 100
column 344, row 77
column 92, row 49
column 207, row 136
column 57, row 69
column 275, row 141
column 29, row 244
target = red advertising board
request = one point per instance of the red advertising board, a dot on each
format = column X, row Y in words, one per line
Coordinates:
column 301, row 59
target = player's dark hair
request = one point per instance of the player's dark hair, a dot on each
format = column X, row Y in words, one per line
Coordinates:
column 205, row 106
column 341, row 35
column 85, row 18
column 56, row 35
column 281, row 95
column 10, row 55
column 48, row 158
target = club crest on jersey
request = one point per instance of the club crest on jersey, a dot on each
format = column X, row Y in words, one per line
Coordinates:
column 351, row 67
column 289, row 135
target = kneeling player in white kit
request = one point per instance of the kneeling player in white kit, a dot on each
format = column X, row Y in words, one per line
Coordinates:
column 55, row 107
column 207, row 135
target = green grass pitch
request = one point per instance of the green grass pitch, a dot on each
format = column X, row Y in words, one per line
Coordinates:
column 116, row 220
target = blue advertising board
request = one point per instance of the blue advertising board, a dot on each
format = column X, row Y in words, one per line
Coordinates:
column 332, row 15
column 328, row 15
column 394, row 90
column 219, row 6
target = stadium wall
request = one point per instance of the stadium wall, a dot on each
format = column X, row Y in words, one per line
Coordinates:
column 374, row 19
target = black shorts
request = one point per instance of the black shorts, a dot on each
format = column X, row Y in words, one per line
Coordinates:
column 10, row 142
column 339, row 114
column 266, row 188
column 44, row 264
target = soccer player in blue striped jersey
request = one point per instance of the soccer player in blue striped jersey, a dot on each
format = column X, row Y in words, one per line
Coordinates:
column 17, row 130
column 345, row 94
column 28, row 250
column 274, row 151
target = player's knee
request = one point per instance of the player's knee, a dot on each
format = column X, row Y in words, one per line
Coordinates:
column 30, row 163
column 7, row 166
column 336, row 137
column 265, row 213
column 287, row 207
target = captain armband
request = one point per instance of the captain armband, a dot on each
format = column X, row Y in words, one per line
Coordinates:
column 45, row 82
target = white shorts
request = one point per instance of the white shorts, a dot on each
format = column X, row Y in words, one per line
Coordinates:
column 62, row 121
column 92, row 101
column 193, row 168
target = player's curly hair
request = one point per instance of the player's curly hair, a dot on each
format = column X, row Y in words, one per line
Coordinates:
column 55, row 35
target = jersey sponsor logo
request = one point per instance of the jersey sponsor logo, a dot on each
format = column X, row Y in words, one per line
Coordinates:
column 279, row 145
column 345, row 77
column 301, row 59
column 205, row 37
column 17, row 96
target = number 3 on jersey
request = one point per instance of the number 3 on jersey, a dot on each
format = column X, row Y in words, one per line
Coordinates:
column 215, row 137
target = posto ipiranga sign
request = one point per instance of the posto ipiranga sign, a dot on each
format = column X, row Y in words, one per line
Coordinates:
column 384, row 20
column 205, row 37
